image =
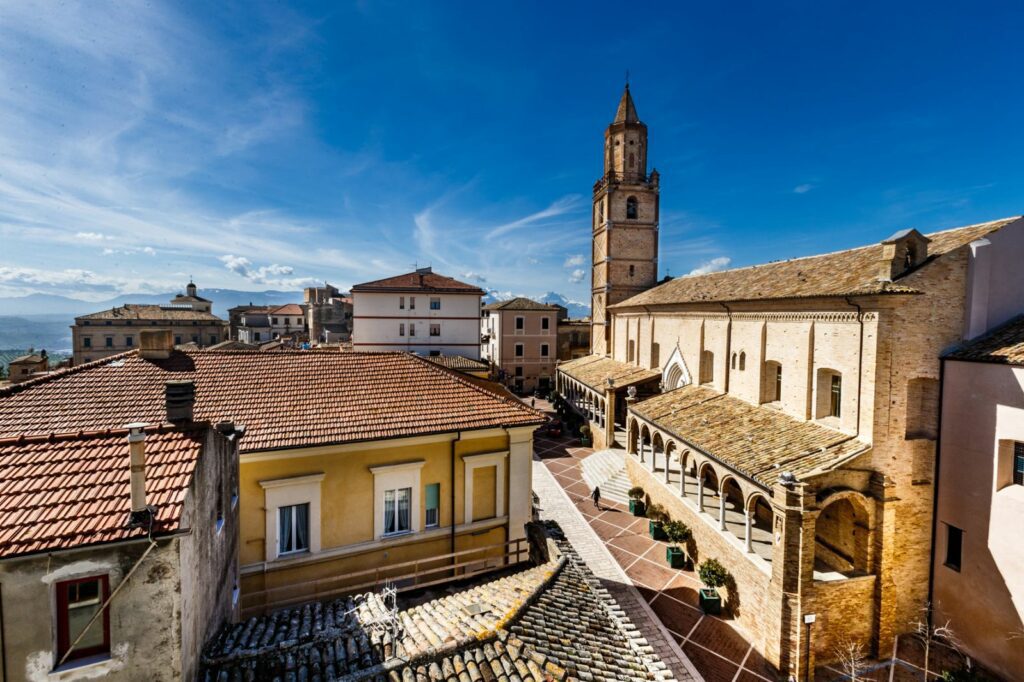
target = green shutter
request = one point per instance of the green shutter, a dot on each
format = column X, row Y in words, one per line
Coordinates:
column 433, row 496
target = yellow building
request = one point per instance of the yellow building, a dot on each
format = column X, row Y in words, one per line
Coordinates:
column 351, row 462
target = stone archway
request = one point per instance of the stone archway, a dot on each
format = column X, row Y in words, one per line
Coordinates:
column 707, row 486
column 759, row 523
column 843, row 537
column 675, row 374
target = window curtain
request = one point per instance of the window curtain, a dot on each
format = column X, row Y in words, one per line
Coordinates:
column 285, row 530
column 389, row 511
column 302, row 526
column 404, row 508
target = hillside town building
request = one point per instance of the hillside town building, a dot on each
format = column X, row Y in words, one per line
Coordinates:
column 421, row 312
column 788, row 413
column 258, row 325
column 109, row 332
column 978, row 557
column 403, row 460
column 28, row 366
column 118, row 548
column 328, row 314
column 520, row 339
column 573, row 338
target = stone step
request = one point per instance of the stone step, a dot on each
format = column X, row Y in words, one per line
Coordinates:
column 607, row 469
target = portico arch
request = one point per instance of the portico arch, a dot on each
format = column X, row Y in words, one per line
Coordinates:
column 843, row 536
column 707, row 484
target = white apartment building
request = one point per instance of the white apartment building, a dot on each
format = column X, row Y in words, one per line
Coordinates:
column 421, row 312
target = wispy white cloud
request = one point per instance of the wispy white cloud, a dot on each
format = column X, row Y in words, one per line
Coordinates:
column 474, row 276
column 577, row 276
column 78, row 280
column 564, row 205
column 573, row 261
column 92, row 236
column 803, row 189
column 713, row 265
column 272, row 275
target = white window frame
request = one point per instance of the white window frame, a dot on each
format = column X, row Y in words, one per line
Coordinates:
column 433, row 300
column 432, row 326
column 544, row 350
column 401, row 302
column 520, row 320
column 393, row 477
column 284, row 492
column 401, row 328
column 473, row 462
column 292, row 552
column 545, row 323
column 437, row 521
column 519, row 351
column 412, row 329
column 412, row 303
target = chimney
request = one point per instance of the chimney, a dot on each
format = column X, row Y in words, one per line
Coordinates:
column 180, row 398
column 155, row 344
column 141, row 514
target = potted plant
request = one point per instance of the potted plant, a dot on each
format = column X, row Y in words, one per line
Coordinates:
column 636, row 501
column 713, row 575
column 585, row 436
column 656, row 516
column 676, row 532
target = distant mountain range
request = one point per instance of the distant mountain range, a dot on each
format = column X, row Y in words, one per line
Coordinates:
column 44, row 320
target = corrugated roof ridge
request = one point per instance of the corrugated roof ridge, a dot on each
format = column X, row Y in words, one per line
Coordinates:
column 64, row 372
column 462, row 379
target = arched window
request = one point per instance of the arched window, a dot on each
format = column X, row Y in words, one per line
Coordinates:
column 771, row 382
column 631, row 208
column 733, row 362
column 707, row 367
column 743, row 360
column 830, row 394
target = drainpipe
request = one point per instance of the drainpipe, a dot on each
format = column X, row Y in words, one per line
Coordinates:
column 458, row 438
column 728, row 346
column 935, row 494
column 860, row 358
column 3, row 637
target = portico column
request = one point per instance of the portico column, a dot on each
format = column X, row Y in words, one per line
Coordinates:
column 700, row 494
column 746, row 536
column 667, row 460
column 721, row 509
column 654, row 455
column 682, row 478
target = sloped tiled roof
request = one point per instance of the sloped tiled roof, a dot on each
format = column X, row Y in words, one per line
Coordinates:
column 420, row 280
column 285, row 399
column 1004, row 345
column 458, row 363
column 31, row 357
column 74, row 489
column 853, row 272
column 287, row 309
column 134, row 311
column 758, row 441
column 595, row 370
column 553, row 621
column 520, row 303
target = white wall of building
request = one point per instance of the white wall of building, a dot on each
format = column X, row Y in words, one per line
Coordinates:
column 402, row 322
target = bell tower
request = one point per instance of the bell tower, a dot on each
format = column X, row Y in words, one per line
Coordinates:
column 625, row 222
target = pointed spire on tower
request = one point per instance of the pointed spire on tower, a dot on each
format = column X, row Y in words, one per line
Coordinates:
column 626, row 112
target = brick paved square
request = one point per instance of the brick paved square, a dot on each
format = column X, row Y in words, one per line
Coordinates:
column 711, row 667
column 637, row 544
column 721, row 638
column 650, row 574
column 678, row 618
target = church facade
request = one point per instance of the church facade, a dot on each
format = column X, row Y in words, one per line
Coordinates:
column 788, row 413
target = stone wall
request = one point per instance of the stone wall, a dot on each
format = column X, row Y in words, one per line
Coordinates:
column 845, row 613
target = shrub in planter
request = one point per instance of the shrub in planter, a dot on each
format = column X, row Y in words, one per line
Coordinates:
column 657, row 517
column 585, row 436
column 636, row 501
column 676, row 532
column 713, row 575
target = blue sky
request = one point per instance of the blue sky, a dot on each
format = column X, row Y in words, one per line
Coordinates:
column 267, row 146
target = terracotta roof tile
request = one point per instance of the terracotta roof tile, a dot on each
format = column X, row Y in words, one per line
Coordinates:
column 1004, row 344
column 853, row 272
column 595, row 370
column 134, row 311
column 285, row 399
column 552, row 621
column 421, row 280
column 459, row 363
column 287, row 309
column 74, row 489
column 520, row 303
column 759, row 442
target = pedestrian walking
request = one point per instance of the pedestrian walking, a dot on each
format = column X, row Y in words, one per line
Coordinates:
column 533, row 402
column 596, row 496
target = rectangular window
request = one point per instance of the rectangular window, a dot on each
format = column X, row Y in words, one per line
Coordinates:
column 401, row 302
column 412, row 303
column 129, row 341
column 177, row 339
column 78, row 601
column 412, row 329
column 835, row 399
column 519, row 371
column 110, row 342
column 435, row 302
column 435, row 329
column 954, row 547
column 87, row 341
column 433, row 505
column 1018, row 463
column 543, row 350
column 293, row 529
column 520, row 323
column 545, row 323
column 397, row 511
column 519, row 350
column 195, row 338
column 213, row 339
column 401, row 328
column 273, row 320
column 778, row 382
